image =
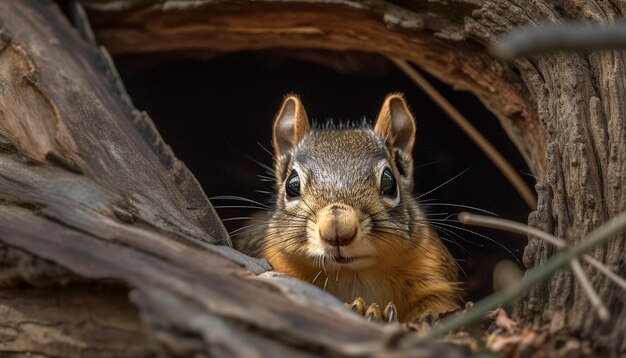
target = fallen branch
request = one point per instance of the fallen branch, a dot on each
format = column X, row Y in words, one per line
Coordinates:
column 532, row 40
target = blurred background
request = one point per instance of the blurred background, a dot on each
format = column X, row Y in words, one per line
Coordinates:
column 216, row 112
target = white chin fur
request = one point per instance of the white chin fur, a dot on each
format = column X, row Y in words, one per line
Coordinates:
column 364, row 254
column 361, row 258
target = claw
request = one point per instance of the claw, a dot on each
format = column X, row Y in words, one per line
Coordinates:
column 390, row 313
column 358, row 306
column 426, row 318
column 373, row 313
column 430, row 319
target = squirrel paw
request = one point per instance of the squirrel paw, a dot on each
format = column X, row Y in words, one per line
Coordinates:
column 372, row 312
column 426, row 319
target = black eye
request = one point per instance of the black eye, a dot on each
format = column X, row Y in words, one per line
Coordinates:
column 292, row 185
column 388, row 184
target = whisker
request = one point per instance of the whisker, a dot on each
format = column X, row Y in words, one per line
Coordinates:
column 486, row 238
column 310, row 210
column 240, row 207
column 425, row 165
column 266, row 150
column 238, row 198
column 460, row 267
column 464, row 207
column 443, row 184
column 238, row 218
column 267, row 168
column 316, row 276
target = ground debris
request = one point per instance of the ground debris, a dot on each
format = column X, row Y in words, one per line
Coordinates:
column 511, row 339
column 500, row 334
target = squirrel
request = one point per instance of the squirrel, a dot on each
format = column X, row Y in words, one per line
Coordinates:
column 345, row 219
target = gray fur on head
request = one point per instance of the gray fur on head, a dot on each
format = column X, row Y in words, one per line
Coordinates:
column 343, row 163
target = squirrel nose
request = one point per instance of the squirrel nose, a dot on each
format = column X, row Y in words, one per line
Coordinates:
column 337, row 224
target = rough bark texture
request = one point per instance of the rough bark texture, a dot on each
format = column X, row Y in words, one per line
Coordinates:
column 91, row 196
column 565, row 111
column 86, row 182
column 86, row 320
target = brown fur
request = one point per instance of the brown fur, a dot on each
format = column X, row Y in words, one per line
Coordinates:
column 400, row 258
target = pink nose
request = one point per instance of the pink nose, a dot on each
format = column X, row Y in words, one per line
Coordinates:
column 337, row 224
column 338, row 238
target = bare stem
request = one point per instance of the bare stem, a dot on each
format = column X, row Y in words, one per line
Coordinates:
column 594, row 299
column 531, row 40
column 485, row 146
column 512, row 226
column 577, row 269
column 532, row 278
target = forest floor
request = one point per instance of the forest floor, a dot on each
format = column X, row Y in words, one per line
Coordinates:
column 499, row 335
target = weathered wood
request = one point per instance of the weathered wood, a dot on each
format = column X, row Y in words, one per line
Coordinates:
column 432, row 34
column 195, row 302
column 88, row 320
column 89, row 192
column 565, row 111
column 39, row 81
column 189, row 283
column 86, row 181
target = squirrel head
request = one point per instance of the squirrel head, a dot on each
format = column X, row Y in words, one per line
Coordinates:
column 343, row 195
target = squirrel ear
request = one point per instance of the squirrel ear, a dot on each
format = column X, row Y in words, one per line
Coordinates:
column 396, row 123
column 290, row 126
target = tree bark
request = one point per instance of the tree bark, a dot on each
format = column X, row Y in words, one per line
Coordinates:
column 86, row 320
column 94, row 205
column 87, row 184
column 565, row 111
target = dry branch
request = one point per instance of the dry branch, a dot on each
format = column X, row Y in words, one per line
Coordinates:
column 585, row 36
column 487, row 148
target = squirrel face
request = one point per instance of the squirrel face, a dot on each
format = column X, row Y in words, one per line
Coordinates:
column 344, row 195
column 343, row 200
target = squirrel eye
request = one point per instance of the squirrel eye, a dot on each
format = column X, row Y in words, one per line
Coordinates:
column 388, row 185
column 292, row 185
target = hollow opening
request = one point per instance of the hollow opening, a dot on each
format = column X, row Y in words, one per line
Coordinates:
column 216, row 113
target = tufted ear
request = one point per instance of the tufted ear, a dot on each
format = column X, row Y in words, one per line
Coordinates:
column 290, row 126
column 396, row 124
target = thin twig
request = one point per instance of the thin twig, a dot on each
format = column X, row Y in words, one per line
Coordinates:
column 531, row 40
column 594, row 299
column 606, row 271
column 508, row 225
column 532, row 278
column 579, row 273
column 485, row 146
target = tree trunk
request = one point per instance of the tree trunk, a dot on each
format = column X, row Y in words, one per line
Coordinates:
column 564, row 111
column 94, row 204
column 88, row 184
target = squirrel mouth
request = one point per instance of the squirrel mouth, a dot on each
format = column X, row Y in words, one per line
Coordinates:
column 343, row 259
